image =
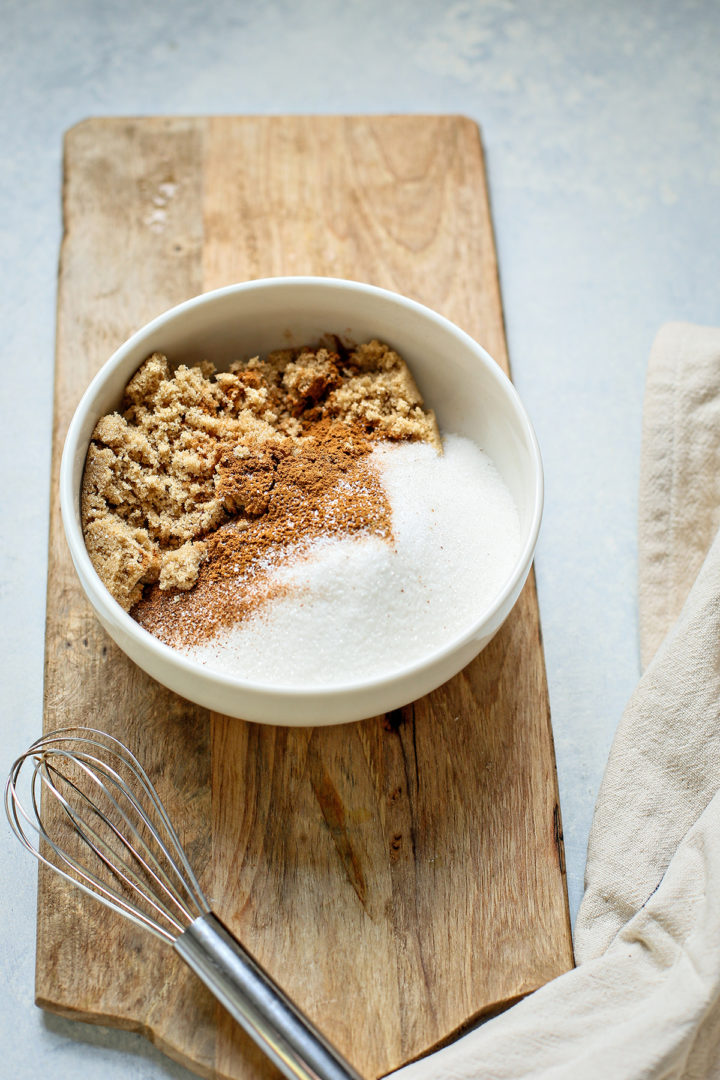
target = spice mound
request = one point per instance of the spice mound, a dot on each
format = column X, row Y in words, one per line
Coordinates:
column 206, row 482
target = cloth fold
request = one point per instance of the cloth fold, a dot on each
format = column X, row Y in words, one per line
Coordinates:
column 679, row 499
column 644, row 1001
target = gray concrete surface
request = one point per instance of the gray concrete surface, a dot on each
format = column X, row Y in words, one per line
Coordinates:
column 601, row 124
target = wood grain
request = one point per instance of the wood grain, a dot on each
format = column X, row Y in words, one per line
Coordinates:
column 400, row 877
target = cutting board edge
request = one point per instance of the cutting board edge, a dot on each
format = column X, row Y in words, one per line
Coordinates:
column 170, row 1050
column 135, row 1027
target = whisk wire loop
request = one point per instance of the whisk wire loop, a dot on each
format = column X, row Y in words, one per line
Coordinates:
column 108, row 856
column 140, row 850
column 83, row 878
column 159, row 875
column 128, row 759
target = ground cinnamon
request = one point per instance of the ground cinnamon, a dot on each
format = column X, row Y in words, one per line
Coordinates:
column 325, row 486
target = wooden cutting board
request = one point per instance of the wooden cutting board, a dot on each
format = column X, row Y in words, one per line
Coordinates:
column 400, row 877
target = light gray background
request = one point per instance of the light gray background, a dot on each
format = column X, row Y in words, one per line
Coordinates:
column 601, row 124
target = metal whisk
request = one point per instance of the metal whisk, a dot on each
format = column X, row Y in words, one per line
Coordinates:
column 101, row 825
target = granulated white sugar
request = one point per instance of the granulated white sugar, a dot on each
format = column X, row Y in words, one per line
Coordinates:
column 359, row 608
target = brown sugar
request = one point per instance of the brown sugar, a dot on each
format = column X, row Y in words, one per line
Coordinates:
column 204, row 480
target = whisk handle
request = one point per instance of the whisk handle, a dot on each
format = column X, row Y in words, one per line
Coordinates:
column 268, row 1015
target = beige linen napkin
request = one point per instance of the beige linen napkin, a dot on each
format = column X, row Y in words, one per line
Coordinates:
column 644, row 1001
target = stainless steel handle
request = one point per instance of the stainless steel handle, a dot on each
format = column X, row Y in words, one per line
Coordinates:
column 258, row 1004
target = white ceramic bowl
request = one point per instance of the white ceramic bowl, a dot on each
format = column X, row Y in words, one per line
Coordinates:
column 470, row 394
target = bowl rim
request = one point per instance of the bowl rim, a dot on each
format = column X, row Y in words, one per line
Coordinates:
column 103, row 601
